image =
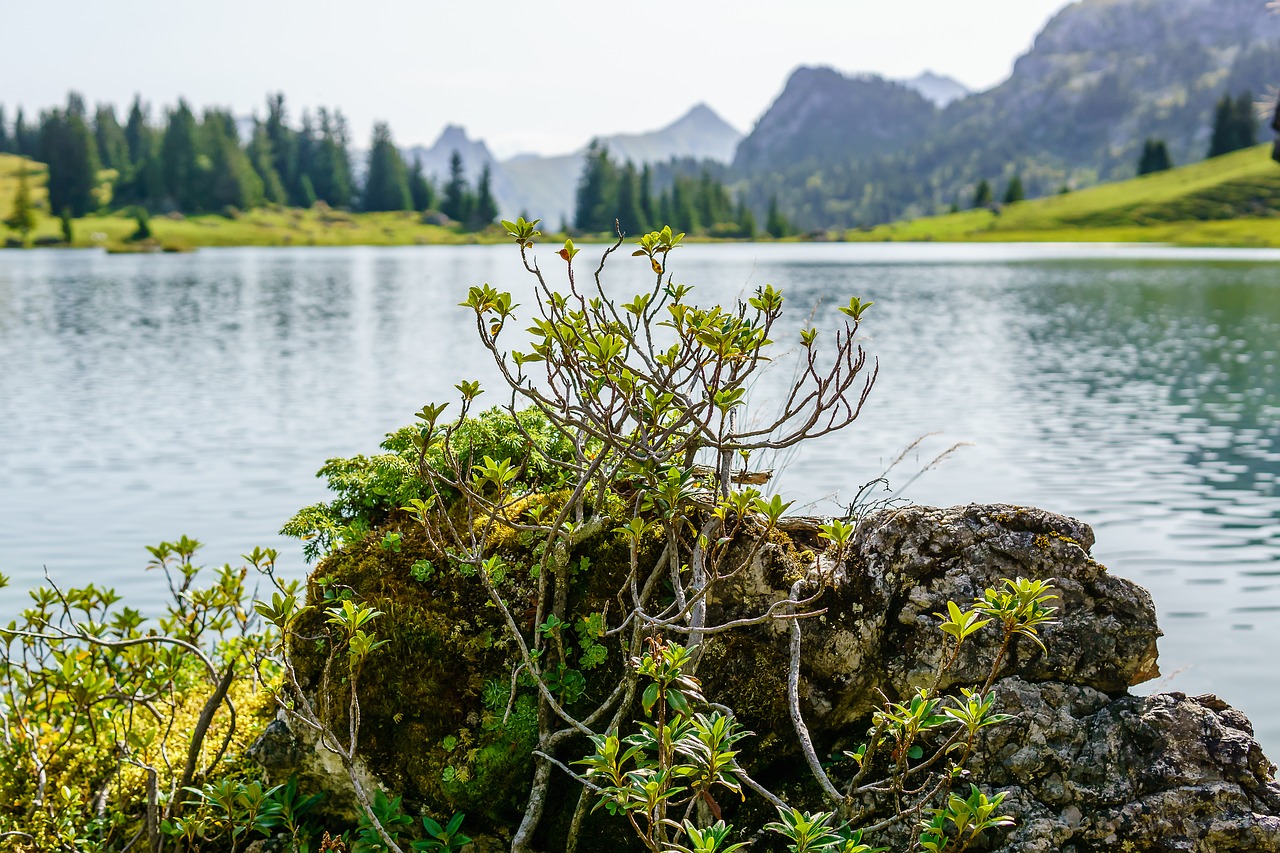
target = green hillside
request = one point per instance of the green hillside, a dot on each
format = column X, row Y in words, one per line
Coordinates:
column 1233, row 200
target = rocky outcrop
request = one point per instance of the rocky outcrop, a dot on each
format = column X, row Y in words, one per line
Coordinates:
column 1086, row 771
column 1086, row 765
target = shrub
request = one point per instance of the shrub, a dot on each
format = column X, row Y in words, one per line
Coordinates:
column 633, row 409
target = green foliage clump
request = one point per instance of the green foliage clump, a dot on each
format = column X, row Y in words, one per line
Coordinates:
column 109, row 719
column 369, row 489
column 23, row 216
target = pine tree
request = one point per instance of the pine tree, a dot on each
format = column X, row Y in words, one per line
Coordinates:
column 684, row 212
column 712, row 203
column 746, row 220
column 631, row 214
column 485, row 210
column 1246, row 121
column 648, row 208
column 330, row 164
column 113, row 147
column 304, row 165
column 420, row 189
column 137, row 131
column 664, row 209
column 260, row 156
column 68, row 147
column 76, row 107
column 457, row 200
column 1014, row 192
column 596, row 199
column 141, row 183
column 23, row 216
column 6, row 146
column 775, row 224
column 26, row 140
column 232, row 181
column 1155, row 157
column 179, row 160
column 283, row 144
column 387, row 184
column 1234, row 126
column 306, row 194
column 982, row 196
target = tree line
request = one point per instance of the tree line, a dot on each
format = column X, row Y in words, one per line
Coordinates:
column 684, row 194
column 201, row 164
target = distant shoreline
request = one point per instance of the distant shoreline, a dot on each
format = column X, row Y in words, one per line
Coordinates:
column 1227, row 201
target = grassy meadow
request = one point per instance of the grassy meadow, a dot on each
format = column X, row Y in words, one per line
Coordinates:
column 1232, row 200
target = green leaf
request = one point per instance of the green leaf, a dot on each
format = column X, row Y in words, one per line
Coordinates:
column 650, row 698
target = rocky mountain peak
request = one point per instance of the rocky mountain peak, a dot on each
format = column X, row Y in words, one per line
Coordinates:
column 823, row 114
column 938, row 88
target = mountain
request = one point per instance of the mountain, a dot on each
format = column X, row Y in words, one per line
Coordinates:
column 1102, row 76
column 699, row 134
column 823, row 115
column 938, row 88
column 545, row 186
column 435, row 160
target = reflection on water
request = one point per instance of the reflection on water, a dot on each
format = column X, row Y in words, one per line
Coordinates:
column 146, row 397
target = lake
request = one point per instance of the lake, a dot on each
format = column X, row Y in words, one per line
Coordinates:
column 1136, row 388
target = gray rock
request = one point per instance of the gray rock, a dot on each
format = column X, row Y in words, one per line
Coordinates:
column 1167, row 772
column 1086, row 766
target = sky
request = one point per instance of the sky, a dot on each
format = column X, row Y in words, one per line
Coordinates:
column 539, row 77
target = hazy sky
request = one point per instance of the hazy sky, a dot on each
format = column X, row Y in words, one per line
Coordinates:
column 523, row 76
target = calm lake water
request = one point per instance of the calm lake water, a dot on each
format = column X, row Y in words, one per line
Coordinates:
column 143, row 397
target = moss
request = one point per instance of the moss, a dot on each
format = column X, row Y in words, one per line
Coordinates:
column 425, row 724
column 750, row 677
column 444, row 640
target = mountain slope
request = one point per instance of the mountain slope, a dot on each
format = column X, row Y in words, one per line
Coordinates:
column 1236, row 195
column 823, row 115
column 1101, row 77
column 700, row 133
column 545, row 186
column 435, row 160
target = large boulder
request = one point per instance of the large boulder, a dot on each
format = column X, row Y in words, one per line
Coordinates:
column 1086, row 765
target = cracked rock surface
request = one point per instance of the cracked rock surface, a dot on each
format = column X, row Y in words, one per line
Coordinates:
column 1087, row 766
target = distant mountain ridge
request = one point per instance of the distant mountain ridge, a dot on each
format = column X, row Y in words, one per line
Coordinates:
column 823, row 114
column 1102, row 76
column 544, row 186
column 840, row 150
column 938, row 88
column 436, row 158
